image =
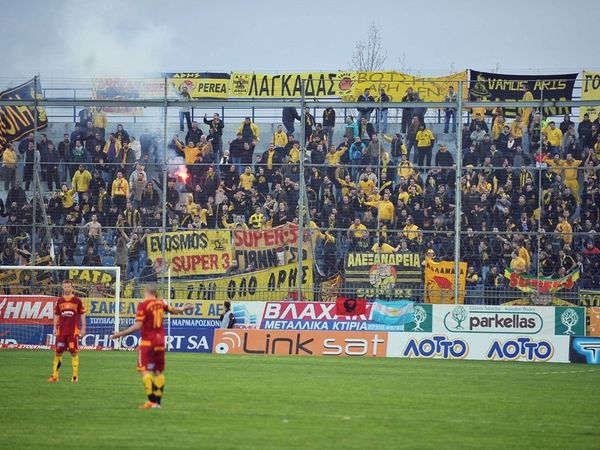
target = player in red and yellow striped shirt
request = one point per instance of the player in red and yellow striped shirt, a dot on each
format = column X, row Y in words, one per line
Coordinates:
column 151, row 361
column 69, row 324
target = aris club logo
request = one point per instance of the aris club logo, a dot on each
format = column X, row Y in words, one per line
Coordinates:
column 465, row 320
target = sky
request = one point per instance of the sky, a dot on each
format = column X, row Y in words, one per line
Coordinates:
column 63, row 38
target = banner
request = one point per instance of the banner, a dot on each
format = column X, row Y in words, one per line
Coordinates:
column 28, row 320
column 272, row 247
column 584, row 350
column 276, row 284
column 522, row 320
column 199, row 84
column 439, row 282
column 198, row 252
column 590, row 90
column 316, row 316
column 389, row 275
column 497, row 86
column 27, row 310
column 203, row 310
column 19, row 120
column 300, row 343
column 482, row 347
column 589, row 297
column 433, row 89
column 528, row 283
column 591, row 300
column 289, row 85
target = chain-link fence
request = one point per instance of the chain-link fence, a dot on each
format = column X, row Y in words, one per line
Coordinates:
column 368, row 195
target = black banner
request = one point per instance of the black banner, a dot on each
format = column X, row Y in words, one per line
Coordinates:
column 584, row 350
column 497, row 86
column 16, row 121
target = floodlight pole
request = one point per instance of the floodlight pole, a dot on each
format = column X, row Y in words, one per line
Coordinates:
column 164, row 182
column 36, row 167
column 302, row 192
column 458, row 193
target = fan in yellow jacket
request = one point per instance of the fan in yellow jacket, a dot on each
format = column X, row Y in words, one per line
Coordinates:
column 280, row 139
column 424, row 138
column 67, row 196
column 253, row 129
column 247, row 179
column 554, row 134
column 333, row 156
column 120, row 186
column 190, row 151
column 410, row 230
column 526, row 112
column 347, row 184
column 367, row 186
column 385, row 209
column 569, row 173
column 99, row 119
column 9, row 157
column 81, row 179
column 565, row 229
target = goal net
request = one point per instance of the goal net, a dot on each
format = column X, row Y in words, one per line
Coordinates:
column 28, row 295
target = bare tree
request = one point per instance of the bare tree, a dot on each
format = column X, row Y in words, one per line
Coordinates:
column 368, row 55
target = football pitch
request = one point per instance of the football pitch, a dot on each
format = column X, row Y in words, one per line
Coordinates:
column 243, row 402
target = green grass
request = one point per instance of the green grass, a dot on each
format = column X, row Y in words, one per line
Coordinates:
column 242, row 402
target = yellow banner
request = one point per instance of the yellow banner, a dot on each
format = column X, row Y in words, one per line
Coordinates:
column 289, row 85
column 275, row 284
column 200, row 85
column 432, row 89
column 590, row 90
column 439, row 282
column 199, row 252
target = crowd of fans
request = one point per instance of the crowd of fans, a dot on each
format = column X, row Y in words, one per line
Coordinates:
column 530, row 192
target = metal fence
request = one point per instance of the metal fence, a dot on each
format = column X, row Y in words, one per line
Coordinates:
column 518, row 216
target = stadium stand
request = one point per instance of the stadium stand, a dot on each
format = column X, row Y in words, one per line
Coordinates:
column 374, row 183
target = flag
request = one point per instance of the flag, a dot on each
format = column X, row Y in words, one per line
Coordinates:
column 16, row 121
column 439, row 282
column 393, row 313
column 350, row 307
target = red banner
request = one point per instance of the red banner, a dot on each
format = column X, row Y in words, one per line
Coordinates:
column 27, row 309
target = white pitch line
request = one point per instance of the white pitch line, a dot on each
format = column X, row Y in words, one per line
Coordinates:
column 562, row 372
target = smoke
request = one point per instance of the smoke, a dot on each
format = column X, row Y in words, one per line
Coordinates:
column 116, row 38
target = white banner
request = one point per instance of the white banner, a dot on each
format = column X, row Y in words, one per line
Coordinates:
column 483, row 347
column 501, row 320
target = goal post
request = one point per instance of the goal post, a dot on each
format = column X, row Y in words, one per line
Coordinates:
column 28, row 295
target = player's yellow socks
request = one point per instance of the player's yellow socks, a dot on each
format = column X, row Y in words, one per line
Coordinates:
column 56, row 365
column 75, row 365
column 148, row 385
column 159, row 385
